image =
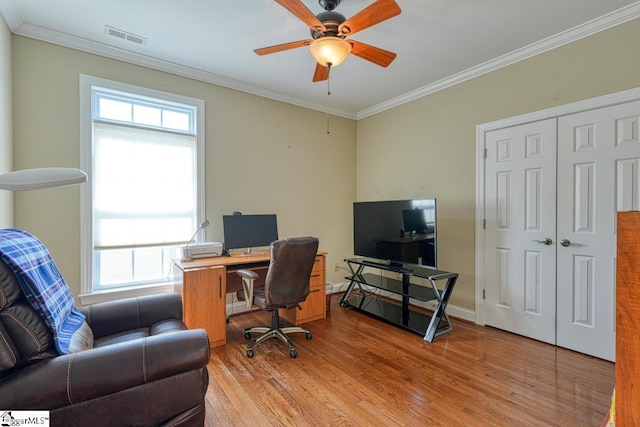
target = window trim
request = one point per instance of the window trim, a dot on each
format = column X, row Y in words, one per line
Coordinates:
column 87, row 294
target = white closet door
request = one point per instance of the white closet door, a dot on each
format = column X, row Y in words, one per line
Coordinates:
column 598, row 174
column 520, row 212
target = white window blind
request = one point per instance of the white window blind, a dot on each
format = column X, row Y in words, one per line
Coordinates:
column 140, row 200
column 144, row 153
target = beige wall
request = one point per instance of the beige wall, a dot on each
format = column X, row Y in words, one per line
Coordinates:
column 431, row 141
column 266, row 156
column 262, row 156
column 6, row 120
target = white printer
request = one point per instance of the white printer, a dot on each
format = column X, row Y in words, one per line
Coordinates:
column 200, row 250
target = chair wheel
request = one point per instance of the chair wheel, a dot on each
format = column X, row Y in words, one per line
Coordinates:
column 293, row 354
column 247, row 335
column 309, row 336
column 250, row 354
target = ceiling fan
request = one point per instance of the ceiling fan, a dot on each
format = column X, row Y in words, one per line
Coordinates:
column 329, row 30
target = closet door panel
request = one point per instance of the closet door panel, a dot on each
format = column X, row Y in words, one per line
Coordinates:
column 520, row 215
column 598, row 157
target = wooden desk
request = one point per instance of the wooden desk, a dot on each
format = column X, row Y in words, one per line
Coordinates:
column 204, row 284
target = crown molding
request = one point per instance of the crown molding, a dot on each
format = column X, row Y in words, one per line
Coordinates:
column 594, row 26
column 12, row 15
column 89, row 46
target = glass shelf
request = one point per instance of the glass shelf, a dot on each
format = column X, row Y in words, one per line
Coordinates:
column 419, row 292
column 417, row 322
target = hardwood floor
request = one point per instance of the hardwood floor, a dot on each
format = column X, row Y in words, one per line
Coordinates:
column 358, row 371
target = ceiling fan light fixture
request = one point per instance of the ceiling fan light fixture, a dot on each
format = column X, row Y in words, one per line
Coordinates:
column 330, row 50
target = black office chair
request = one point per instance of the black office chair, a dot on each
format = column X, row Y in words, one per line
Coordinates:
column 285, row 286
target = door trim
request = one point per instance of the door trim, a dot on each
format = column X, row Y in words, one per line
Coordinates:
column 482, row 129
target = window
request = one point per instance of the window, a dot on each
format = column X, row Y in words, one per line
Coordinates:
column 143, row 151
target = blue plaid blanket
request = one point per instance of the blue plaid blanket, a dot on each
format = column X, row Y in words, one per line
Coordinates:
column 44, row 286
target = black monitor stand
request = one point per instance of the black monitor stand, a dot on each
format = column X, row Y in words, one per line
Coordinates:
column 250, row 252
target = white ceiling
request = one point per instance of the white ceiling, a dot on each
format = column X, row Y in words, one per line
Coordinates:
column 438, row 42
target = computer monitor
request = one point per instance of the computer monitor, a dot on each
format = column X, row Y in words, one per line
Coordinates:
column 415, row 221
column 249, row 231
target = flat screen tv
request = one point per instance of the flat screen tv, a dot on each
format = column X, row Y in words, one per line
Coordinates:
column 396, row 231
column 249, row 231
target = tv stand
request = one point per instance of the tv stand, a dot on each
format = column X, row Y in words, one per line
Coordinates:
column 400, row 312
column 396, row 265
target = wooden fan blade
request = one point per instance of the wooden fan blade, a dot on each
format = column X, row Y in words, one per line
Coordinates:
column 321, row 73
column 371, row 53
column 303, row 13
column 281, row 47
column 369, row 16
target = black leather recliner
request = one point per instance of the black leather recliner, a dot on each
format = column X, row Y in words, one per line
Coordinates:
column 145, row 368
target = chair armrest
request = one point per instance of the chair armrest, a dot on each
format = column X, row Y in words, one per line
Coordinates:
column 247, row 274
column 90, row 374
column 131, row 313
column 248, row 277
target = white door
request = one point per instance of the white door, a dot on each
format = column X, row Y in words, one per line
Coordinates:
column 520, row 204
column 598, row 174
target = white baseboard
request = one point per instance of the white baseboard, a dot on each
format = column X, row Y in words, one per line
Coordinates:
column 452, row 310
column 238, row 307
column 340, row 287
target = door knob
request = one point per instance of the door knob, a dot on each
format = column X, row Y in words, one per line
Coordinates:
column 567, row 243
column 547, row 241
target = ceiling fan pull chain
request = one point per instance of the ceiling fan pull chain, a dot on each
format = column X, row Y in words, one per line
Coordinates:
column 328, row 93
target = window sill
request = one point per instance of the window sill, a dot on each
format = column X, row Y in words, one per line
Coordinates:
column 116, row 294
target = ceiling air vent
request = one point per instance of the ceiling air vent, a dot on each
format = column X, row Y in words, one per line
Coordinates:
column 123, row 35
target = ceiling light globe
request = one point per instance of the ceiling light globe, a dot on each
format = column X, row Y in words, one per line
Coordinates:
column 330, row 50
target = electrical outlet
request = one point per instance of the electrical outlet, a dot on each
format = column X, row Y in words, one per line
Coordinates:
column 335, row 266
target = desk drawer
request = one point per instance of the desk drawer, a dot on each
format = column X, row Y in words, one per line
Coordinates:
column 318, row 265
column 317, row 279
column 317, row 272
column 314, row 307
